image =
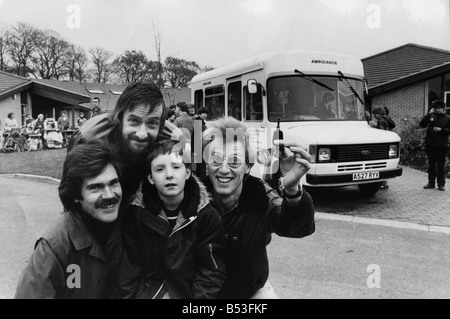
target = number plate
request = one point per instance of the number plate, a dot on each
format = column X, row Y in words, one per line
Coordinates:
column 366, row 175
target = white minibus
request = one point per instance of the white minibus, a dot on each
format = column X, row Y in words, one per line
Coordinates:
column 318, row 100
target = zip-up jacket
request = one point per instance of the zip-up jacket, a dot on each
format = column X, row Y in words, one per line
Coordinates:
column 186, row 261
column 69, row 263
column 248, row 228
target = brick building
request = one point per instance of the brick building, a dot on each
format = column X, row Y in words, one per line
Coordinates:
column 407, row 79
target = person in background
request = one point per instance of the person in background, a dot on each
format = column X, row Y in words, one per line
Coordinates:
column 80, row 120
column 96, row 110
column 78, row 257
column 186, row 123
column 379, row 121
column 326, row 108
column 379, row 118
column 389, row 120
column 28, row 120
column 199, row 122
column 183, row 119
column 39, row 125
column 171, row 115
column 63, row 121
column 10, row 122
column 436, row 141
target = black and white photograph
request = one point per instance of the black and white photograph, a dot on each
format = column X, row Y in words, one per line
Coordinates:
column 228, row 150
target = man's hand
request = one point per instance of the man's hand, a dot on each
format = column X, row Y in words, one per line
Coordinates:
column 437, row 129
column 294, row 163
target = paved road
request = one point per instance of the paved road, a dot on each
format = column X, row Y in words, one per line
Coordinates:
column 332, row 263
column 405, row 201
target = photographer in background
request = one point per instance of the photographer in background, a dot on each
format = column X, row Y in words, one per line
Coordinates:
column 436, row 141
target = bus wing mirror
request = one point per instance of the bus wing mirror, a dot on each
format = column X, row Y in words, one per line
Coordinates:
column 252, row 86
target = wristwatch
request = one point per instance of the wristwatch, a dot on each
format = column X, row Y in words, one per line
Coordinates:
column 288, row 196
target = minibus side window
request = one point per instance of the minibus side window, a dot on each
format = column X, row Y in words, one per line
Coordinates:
column 253, row 110
column 215, row 102
column 198, row 99
column 235, row 100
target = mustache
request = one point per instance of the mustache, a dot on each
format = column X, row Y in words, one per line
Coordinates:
column 141, row 140
column 101, row 202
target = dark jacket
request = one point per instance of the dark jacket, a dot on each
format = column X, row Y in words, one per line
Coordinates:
column 186, row 261
column 186, row 122
column 248, row 229
column 70, row 243
column 436, row 138
column 94, row 112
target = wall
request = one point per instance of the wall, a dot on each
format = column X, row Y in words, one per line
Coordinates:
column 407, row 102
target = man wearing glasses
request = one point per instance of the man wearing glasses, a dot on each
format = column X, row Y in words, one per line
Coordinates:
column 251, row 210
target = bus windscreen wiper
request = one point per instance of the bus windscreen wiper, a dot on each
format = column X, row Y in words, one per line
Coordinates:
column 342, row 78
column 313, row 80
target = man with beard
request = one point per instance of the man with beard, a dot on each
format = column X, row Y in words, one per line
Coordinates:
column 137, row 121
column 78, row 257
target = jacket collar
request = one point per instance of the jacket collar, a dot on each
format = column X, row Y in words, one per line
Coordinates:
column 196, row 197
column 81, row 237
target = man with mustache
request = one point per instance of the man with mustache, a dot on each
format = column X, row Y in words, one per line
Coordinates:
column 78, row 257
column 137, row 121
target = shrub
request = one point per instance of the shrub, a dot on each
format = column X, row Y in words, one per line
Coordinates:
column 412, row 148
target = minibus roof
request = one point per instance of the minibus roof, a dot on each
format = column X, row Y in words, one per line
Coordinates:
column 285, row 62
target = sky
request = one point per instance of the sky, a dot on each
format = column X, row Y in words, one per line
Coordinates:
column 219, row 32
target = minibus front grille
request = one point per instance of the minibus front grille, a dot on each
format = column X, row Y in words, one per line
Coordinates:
column 361, row 152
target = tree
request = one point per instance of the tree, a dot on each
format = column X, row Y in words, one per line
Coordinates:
column 158, row 39
column 179, row 72
column 102, row 68
column 77, row 64
column 4, row 40
column 132, row 66
column 21, row 46
column 206, row 69
column 50, row 59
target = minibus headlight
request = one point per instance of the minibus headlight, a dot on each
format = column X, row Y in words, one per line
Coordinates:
column 393, row 151
column 324, row 154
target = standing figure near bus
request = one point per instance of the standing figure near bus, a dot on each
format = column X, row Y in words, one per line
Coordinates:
column 436, row 140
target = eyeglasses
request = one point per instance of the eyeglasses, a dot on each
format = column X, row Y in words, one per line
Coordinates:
column 233, row 161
